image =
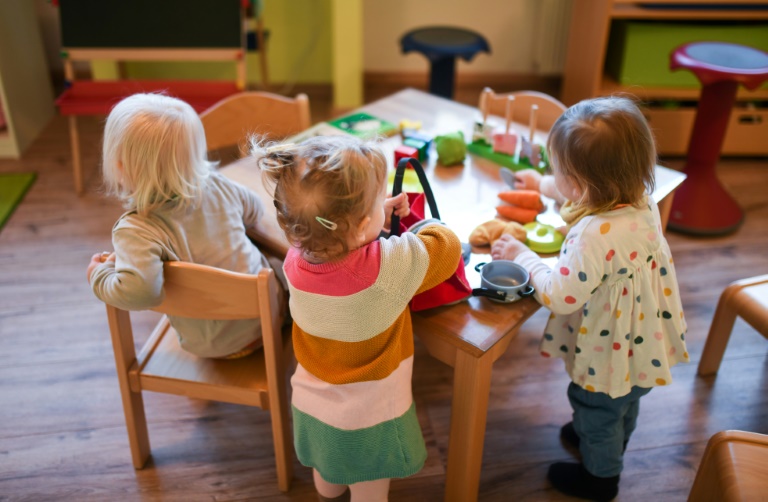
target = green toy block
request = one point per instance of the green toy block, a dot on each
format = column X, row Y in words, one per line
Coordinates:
column 451, row 149
column 419, row 145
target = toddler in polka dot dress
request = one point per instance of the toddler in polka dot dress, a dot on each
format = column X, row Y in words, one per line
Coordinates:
column 617, row 320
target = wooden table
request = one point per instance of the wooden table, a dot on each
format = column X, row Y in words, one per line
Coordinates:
column 472, row 335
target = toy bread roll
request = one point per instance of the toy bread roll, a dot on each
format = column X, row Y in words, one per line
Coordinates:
column 489, row 232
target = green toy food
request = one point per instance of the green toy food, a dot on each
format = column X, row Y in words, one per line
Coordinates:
column 451, row 148
column 543, row 238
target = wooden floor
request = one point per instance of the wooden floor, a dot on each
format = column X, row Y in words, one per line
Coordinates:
column 63, row 437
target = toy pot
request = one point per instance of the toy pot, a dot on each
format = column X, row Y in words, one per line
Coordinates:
column 503, row 281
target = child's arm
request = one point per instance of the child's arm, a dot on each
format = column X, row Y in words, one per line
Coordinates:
column 253, row 207
column 134, row 279
column 530, row 179
column 97, row 260
column 444, row 250
column 507, row 247
column 574, row 278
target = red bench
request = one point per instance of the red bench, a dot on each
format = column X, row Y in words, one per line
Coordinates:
column 90, row 97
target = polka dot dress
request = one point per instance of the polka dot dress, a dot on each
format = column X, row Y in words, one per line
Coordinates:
column 617, row 320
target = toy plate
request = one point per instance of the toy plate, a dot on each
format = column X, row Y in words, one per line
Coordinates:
column 543, row 238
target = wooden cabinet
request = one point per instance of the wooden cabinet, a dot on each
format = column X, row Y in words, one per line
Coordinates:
column 585, row 74
column 26, row 96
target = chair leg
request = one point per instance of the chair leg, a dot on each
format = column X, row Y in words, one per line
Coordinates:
column 77, row 167
column 136, row 423
column 282, row 438
column 719, row 332
column 133, row 403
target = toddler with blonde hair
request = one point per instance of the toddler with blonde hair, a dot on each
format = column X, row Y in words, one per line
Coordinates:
column 354, row 418
column 178, row 209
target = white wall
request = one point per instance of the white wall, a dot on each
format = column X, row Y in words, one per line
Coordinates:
column 526, row 36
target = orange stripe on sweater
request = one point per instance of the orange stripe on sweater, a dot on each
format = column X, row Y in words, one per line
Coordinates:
column 444, row 250
column 348, row 362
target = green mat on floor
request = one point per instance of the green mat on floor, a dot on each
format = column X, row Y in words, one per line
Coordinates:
column 13, row 186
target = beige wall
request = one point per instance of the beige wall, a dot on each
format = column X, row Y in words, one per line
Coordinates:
column 526, row 36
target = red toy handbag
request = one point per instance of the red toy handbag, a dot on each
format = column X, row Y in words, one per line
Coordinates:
column 456, row 287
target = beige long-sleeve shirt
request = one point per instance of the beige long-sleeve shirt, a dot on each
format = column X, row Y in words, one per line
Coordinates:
column 210, row 232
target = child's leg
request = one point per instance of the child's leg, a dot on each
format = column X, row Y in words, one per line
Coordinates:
column 370, row 491
column 630, row 419
column 599, row 421
column 327, row 490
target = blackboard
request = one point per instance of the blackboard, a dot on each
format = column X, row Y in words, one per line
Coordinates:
column 151, row 23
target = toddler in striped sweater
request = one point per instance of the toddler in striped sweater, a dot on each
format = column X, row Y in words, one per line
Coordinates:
column 354, row 418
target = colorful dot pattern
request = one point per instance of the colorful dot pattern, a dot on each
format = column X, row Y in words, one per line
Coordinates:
column 617, row 319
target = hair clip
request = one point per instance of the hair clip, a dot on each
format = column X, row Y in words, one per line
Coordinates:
column 280, row 147
column 326, row 223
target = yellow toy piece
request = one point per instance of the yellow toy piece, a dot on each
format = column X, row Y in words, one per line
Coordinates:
column 410, row 124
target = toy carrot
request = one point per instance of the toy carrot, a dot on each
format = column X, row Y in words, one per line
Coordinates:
column 528, row 199
column 516, row 213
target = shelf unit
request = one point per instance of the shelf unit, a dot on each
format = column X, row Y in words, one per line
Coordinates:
column 585, row 75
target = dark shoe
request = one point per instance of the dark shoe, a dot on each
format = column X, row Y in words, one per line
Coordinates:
column 574, row 480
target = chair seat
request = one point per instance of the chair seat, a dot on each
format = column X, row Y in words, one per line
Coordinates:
column 733, row 468
column 439, row 42
column 442, row 45
column 165, row 367
column 751, row 304
column 719, row 61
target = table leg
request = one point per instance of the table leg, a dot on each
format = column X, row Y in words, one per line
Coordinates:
column 77, row 168
column 469, row 410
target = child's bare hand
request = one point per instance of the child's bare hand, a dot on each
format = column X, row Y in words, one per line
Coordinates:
column 507, row 248
column 399, row 205
column 97, row 260
column 527, row 179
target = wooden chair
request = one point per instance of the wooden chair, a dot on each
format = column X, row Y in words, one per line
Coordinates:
column 204, row 292
column 230, row 121
column 549, row 109
column 748, row 299
column 734, row 468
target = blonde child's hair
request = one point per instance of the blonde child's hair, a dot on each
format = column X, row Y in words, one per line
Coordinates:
column 323, row 188
column 606, row 147
column 154, row 153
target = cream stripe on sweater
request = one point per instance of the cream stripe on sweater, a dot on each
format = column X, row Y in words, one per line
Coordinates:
column 404, row 263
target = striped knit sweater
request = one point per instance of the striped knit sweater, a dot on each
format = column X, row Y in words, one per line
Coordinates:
column 353, row 413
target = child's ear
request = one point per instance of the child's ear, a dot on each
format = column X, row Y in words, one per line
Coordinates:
column 361, row 228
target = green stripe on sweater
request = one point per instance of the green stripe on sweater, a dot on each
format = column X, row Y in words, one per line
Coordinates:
column 391, row 449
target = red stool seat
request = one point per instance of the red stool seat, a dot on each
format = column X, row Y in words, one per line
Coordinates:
column 701, row 204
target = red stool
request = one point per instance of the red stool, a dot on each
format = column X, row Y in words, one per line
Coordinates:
column 701, row 204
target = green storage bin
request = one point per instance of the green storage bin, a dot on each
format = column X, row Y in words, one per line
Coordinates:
column 638, row 51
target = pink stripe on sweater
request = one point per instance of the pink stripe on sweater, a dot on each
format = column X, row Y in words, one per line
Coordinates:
column 354, row 273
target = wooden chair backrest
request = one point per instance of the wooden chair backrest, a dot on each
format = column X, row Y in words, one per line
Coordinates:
column 231, row 120
column 203, row 292
column 549, row 108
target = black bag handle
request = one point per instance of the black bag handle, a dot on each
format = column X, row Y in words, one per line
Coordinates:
column 397, row 188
